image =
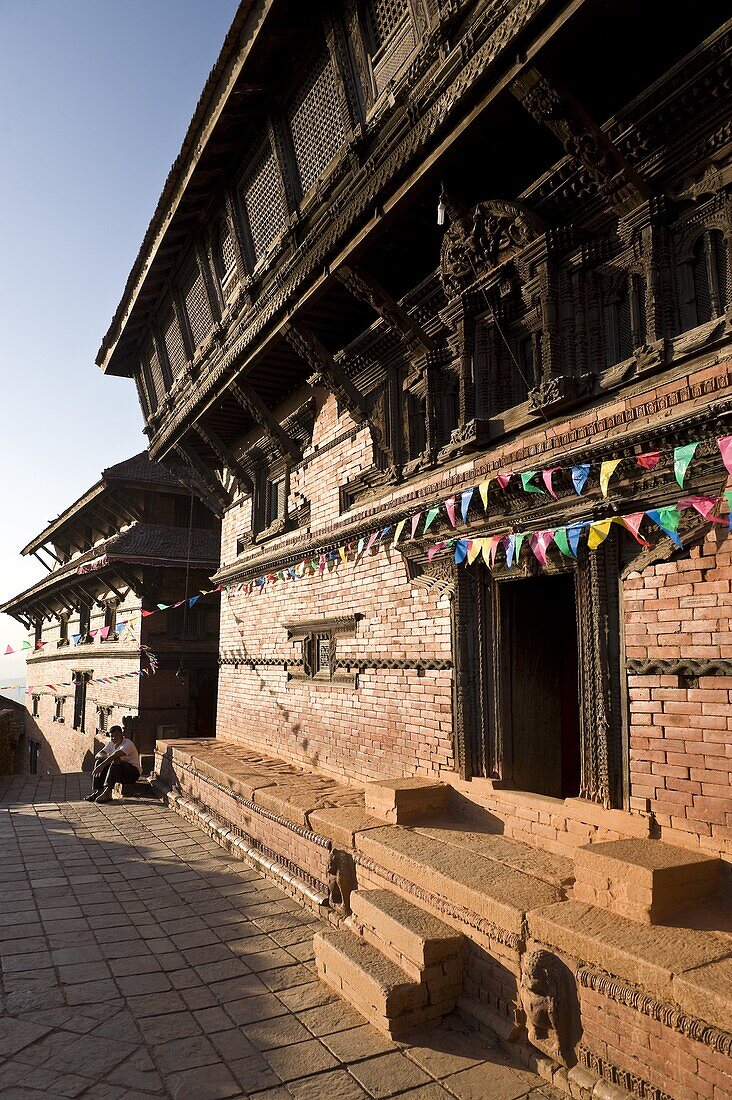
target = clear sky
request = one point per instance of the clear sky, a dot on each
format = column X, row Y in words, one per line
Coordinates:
column 97, row 96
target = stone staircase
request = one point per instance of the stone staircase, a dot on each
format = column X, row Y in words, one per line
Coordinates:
column 399, row 966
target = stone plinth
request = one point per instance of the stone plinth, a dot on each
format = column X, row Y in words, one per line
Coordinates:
column 405, row 801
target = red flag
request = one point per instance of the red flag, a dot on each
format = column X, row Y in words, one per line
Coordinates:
column 648, row 460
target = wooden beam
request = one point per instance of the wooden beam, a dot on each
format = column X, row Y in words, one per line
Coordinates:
column 327, row 372
column 208, row 488
column 251, row 402
column 222, row 452
column 583, row 140
column 366, row 289
column 44, row 563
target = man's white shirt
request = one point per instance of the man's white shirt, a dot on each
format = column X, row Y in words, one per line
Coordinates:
column 129, row 751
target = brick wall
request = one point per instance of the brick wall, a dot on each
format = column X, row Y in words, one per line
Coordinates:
column 680, row 730
column 674, row 1063
column 64, row 749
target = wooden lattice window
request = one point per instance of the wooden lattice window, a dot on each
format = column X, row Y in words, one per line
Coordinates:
column 506, row 366
column 264, row 203
column 58, row 709
column 391, row 38
column 174, row 346
column 703, row 281
column 198, row 307
column 316, row 648
column 154, row 375
column 315, row 122
column 225, row 256
column 81, row 679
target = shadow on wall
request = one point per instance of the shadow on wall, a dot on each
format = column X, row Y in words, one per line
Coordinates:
column 23, row 747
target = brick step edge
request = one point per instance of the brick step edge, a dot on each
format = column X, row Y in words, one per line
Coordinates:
column 299, row 890
column 413, row 938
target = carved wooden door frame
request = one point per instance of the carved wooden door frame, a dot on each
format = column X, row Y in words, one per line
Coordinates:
column 480, row 731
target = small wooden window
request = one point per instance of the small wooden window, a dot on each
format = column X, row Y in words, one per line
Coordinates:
column 63, row 630
column 36, row 705
column 37, row 633
column 84, row 622
column 275, row 503
column 58, row 711
column 198, row 307
column 264, row 203
column 391, row 38
column 81, row 679
column 315, row 122
column 174, row 346
column 225, row 256
column 315, row 645
column 110, row 622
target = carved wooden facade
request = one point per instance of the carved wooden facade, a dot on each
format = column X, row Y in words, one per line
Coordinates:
column 302, row 264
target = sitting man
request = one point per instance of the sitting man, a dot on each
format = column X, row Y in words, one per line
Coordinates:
column 117, row 762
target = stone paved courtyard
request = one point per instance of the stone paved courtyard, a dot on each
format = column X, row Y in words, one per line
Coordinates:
column 139, row 959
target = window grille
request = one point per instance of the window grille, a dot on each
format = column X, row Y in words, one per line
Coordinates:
column 700, row 276
column 617, row 328
column 225, row 255
column 264, row 203
column 720, row 264
column 315, row 122
column 275, row 503
column 154, row 371
column 322, row 654
column 58, row 713
column 198, row 307
column 187, row 624
column 36, row 706
column 38, row 633
column 174, row 345
column 505, row 376
column 382, row 19
column 80, row 682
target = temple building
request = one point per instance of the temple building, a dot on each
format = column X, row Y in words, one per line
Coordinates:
column 436, row 305
column 101, row 651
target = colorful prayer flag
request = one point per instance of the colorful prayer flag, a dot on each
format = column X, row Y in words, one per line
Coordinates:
column 527, row 482
column 649, row 460
column 546, row 477
column 430, row 518
column 483, row 490
column 682, row 459
column 607, row 469
column 579, row 477
column 465, row 499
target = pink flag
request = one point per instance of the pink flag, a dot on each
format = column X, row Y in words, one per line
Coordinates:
column 725, row 449
column 450, row 509
column 415, row 521
column 372, row 539
column 433, row 550
column 321, row 565
column 632, row 523
column 546, row 477
column 540, row 542
column 703, row 505
column 104, row 633
column 503, row 479
column 9, row 650
column 649, row 459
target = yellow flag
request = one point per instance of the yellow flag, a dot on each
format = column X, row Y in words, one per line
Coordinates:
column 398, row 533
column 483, row 490
column 599, row 531
column 607, row 469
column 476, row 545
column 342, row 553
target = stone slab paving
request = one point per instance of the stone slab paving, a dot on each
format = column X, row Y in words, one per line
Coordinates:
column 141, row 960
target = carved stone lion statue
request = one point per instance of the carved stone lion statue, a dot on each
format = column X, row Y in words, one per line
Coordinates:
column 548, row 999
column 341, row 880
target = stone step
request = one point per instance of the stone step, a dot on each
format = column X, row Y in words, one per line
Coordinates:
column 486, row 887
column 421, row 944
column 644, row 880
column 374, row 985
column 404, row 801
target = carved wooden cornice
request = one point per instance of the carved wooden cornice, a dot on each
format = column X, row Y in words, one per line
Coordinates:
column 582, row 138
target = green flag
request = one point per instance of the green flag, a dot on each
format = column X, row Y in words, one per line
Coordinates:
column 682, row 458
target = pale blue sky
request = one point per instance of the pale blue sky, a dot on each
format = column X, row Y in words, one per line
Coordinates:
column 96, row 95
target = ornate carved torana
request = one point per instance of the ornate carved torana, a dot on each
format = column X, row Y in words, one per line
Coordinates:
column 482, row 239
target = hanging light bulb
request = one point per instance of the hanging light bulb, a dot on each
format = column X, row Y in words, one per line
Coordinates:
column 441, row 206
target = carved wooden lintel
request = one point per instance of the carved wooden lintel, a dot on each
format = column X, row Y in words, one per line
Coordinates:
column 366, row 289
column 251, row 402
column 582, row 138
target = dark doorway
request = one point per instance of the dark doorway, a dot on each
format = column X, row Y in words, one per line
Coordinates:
column 541, row 712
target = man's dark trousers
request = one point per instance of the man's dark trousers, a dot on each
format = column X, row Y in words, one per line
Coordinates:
column 119, row 771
